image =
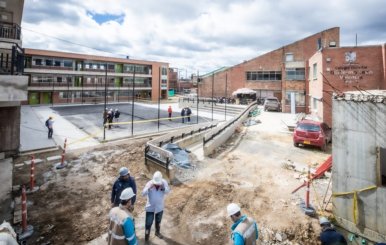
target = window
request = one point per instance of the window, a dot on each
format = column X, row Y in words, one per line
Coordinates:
column 87, row 66
column 295, row 74
column 314, row 71
column 164, row 81
column 289, row 57
column 57, row 63
column 382, row 164
column 300, row 98
column 102, row 67
column 38, row 62
column 59, row 79
column 49, row 62
column 319, row 44
column 68, row 63
column 111, row 66
column 94, row 66
column 164, row 71
column 263, row 75
column 315, row 104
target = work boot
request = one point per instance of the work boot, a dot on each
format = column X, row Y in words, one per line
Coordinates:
column 157, row 231
column 147, row 235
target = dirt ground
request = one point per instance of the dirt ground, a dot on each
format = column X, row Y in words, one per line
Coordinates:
column 72, row 204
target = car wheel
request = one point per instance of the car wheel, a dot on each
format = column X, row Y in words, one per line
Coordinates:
column 296, row 144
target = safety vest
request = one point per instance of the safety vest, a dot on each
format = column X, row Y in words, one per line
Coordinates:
column 247, row 230
column 116, row 234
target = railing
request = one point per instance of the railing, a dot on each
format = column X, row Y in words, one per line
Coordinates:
column 12, row 60
column 10, row 31
column 211, row 135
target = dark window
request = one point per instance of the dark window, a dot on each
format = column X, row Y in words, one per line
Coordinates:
column 49, row 62
column 263, row 75
column 295, row 74
column 319, row 44
column 69, row 79
column 382, row 163
column 67, row 63
column 38, row 62
column 110, row 67
column 59, row 79
column 57, row 63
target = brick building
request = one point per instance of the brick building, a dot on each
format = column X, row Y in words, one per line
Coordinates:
column 280, row 73
column 344, row 69
column 59, row 77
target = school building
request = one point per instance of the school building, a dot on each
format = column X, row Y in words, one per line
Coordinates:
column 64, row 78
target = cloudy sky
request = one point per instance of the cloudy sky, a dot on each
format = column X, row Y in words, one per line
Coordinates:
column 195, row 34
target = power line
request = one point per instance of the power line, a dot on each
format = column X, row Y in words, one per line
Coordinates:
column 73, row 43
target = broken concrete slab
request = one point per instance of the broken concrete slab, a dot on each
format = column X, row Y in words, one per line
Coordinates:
column 17, row 217
column 54, row 158
column 19, row 165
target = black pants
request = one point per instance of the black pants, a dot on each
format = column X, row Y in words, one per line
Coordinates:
column 150, row 219
column 50, row 132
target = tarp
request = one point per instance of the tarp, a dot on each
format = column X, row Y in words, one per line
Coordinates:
column 180, row 156
column 243, row 91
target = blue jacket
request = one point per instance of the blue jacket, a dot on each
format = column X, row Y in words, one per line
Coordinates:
column 129, row 230
column 238, row 238
column 329, row 236
column 119, row 186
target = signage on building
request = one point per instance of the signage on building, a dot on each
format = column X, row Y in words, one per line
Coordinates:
column 351, row 71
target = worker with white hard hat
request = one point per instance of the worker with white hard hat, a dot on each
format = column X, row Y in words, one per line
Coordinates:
column 244, row 229
column 121, row 228
column 155, row 190
column 329, row 236
column 123, row 181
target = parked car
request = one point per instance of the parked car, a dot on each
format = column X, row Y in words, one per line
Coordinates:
column 309, row 132
column 271, row 104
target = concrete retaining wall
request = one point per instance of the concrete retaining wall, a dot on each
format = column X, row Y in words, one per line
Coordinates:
column 211, row 146
column 358, row 129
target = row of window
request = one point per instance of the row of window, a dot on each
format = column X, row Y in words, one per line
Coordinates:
column 91, row 94
column 52, row 62
column 90, row 80
column 291, row 74
column 300, row 98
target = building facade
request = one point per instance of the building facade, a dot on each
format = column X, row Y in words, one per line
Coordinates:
column 13, row 85
column 281, row 73
column 61, row 78
column 337, row 70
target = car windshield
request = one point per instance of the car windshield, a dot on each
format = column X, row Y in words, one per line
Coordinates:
column 309, row 127
column 271, row 100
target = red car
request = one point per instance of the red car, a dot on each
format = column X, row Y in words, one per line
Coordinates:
column 309, row 132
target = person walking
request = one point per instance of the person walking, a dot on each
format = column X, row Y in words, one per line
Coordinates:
column 105, row 116
column 155, row 190
column 110, row 116
column 121, row 227
column 49, row 125
column 170, row 111
column 123, row 181
column 188, row 113
column 244, row 229
column 117, row 113
column 329, row 236
column 183, row 115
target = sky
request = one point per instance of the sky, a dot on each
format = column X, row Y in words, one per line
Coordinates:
column 195, row 36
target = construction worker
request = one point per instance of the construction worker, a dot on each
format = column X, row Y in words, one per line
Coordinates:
column 170, row 111
column 155, row 190
column 329, row 236
column 244, row 229
column 123, row 181
column 105, row 112
column 121, row 228
column 183, row 112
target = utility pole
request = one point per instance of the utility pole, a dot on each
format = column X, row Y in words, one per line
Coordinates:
column 132, row 103
column 104, row 109
column 198, row 97
column 226, row 99
column 159, row 94
column 212, row 93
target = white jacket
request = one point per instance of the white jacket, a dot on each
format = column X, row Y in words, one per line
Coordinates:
column 155, row 198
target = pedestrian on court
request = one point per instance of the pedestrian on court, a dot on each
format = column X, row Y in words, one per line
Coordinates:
column 121, row 227
column 155, row 190
column 170, row 111
column 329, row 236
column 49, row 125
column 183, row 115
column 123, row 181
column 188, row 113
column 117, row 113
column 244, row 229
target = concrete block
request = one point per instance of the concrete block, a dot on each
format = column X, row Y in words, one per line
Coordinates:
column 37, row 160
column 19, row 165
column 2, row 155
column 54, row 158
column 15, row 188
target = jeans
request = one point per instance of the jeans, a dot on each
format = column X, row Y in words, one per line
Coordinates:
column 50, row 131
column 150, row 218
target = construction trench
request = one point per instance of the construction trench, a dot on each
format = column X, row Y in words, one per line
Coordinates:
column 257, row 167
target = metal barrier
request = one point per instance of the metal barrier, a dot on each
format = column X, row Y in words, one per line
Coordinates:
column 213, row 133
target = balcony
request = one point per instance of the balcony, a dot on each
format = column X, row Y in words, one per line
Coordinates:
column 10, row 31
column 12, row 60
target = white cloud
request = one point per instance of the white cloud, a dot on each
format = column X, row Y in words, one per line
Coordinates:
column 197, row 35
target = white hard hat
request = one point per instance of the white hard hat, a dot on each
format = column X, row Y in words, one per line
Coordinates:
column 127, row 194
column 233, row 208
column 323, row 220
column 157, row 178
column 124, row 171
